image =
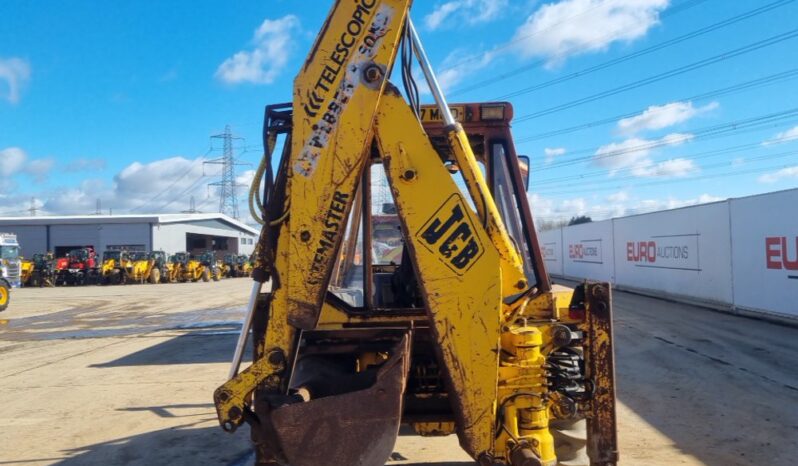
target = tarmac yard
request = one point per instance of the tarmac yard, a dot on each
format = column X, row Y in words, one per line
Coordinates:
column 124, row 375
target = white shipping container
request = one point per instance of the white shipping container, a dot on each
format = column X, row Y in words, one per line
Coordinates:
column 765, row 252
column 551, row 247
column 588, row 251
column 683, row 252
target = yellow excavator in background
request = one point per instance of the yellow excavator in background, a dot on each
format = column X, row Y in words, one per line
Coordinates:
column 399, row 278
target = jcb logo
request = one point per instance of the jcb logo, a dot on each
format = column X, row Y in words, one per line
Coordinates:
column 450, row 235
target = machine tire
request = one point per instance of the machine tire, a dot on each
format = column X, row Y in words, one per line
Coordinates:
column 206, row 275
column 155, row 276
column 115, row 278
column 5, row 295
column 570, row 442
column 217, row 276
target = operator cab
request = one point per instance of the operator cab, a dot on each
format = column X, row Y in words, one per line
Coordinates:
column 373, row 246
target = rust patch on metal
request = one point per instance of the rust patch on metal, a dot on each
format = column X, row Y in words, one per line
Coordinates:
column 354, row 429
column 602, row 424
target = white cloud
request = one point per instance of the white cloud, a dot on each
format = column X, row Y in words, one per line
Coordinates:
column 674, row 168
column 635, row 154
column 39, row 169
column 663, row 116
column 548, row 210
column 456, row 12
column 775, row 177
column 165, row 185
column 785, row 136
column 12, row 161
column 553, row 152
column 272, row 46
column 570, row 27
column 457, row 66
column 619, row 197
column 16, row 74
column 618, row 155
column 86, row 164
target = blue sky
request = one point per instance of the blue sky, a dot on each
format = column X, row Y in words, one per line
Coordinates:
column 118, row 102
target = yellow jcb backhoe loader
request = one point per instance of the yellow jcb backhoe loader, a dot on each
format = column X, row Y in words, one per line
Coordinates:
column 399, row 278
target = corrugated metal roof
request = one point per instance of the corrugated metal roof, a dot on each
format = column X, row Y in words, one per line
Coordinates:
column 111, row 219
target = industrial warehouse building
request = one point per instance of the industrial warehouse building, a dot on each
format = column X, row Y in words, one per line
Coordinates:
column 171, row 233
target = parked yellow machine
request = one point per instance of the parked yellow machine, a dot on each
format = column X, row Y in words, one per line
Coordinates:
column 453, row 329
column 43, row 272
column 244, row 266
column 26, row 271
column 174, row 268
column 209, row 262
column 116, row 268
column 147, row 267
column 193, row 269
column 229, row 266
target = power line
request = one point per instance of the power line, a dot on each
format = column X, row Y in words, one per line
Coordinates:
column 691, row 135
column 648, row 50
column 732, row 173
column 760, row 82
column 591, row 185
column 572, row 50
column 773, row 40
column 182, row 193
column 695, row 156
column 174, row 183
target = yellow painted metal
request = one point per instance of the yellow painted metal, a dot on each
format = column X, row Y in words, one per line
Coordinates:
column 4, row 295
column 523, row 393
column 514, row 280
column 492, row 340
column 434, row 429
column 346, row 69
column 232, row 397
column 336, row 95
column 457, row 264
column 26, row 271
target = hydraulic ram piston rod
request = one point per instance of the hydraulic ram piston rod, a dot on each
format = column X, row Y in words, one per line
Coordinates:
column 245, row 326
column 432, row 80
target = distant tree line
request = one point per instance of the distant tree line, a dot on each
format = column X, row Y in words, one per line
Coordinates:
column 546, row 225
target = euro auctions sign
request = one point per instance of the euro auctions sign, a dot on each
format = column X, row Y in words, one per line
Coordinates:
column 781, row 253
column 672, row 252
column 588, row 251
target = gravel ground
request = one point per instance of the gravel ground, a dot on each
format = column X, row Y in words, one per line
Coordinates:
column 124, row 375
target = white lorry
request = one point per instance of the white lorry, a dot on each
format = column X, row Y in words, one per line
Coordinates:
column 10, row 267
